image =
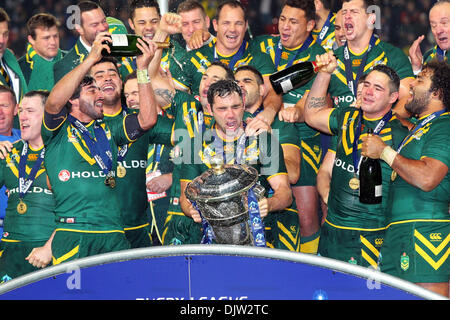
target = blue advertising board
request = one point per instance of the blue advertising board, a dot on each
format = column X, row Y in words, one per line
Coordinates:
column 198, row 276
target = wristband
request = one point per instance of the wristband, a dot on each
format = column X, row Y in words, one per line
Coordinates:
column 388, row 155
column 142, row 76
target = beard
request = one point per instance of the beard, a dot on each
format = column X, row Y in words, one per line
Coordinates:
column 418, row 103
column 90, row 110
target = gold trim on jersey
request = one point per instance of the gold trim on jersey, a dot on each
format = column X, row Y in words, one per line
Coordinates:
column 136, row 228
column 348, row 132
column 436, row 264
column 354, row 228
column 66, row 256
column 290, row 240
column 372, row 249
column 14, row 160
column 77, row 145
column 311, row 157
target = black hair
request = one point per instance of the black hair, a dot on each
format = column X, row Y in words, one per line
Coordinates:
column 229, row 72
column 137, row 4
column 306, row 5
column 259, row 77
column 394, row 79
column 440, row 80
column 223, row 88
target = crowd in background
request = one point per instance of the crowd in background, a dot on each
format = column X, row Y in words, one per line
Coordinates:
column 401, row 20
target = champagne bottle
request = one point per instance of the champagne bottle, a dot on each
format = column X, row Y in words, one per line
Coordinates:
column 370, row 188
column 293, row 77
column 124, row 45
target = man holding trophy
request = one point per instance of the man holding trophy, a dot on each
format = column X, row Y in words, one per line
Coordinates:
column 226, row 142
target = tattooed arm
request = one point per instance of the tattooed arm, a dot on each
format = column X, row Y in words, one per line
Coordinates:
column 317, row 110
column 162, row 82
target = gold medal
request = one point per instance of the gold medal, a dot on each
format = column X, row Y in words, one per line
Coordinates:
column 22, row 207
column 354, row 183
column 393, row 175
column 121, row 171
column 110, row 182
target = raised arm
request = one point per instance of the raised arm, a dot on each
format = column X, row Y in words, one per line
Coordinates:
column 148, row 113
column 64, row 88
column 317, row 110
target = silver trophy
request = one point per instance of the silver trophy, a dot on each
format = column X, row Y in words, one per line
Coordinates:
column 220, row 194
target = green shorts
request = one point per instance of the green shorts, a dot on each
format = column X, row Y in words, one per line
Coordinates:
column 12, row 258
column 417, row 251
column 179, row 229
column 139, row 237
column 311, row 149
column 159, row 214
column 71, row 245
column 355, row 246
column 282, row 230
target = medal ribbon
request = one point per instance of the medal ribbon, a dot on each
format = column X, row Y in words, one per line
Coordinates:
column 123, row 150
column 25, row 183
column 236, row 57
column 352, row 83
column 279, row 51
column 325, row 28
column 255, row 221
column 219, row 150
column 208, row 233
column 418, row 126
column 100, row 148
column 381, row 124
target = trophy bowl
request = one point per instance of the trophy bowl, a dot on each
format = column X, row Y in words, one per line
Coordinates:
column 220, row 194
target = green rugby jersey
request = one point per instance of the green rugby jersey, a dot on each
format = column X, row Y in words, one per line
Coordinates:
column 199, row 60
column 83, row 201
column 38, row 222
column 37, row 71
column 190, row 121
column 432, row 54
column 268, row 45
column 286, row 133
column 326, row 35
column 344, row 208
column 382, row 53
column 407, row 202
column 131, row 189
column 264, row 153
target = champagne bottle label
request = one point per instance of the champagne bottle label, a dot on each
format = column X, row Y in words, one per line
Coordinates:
column 378, row 191
column 286, row 85
column 119, row 40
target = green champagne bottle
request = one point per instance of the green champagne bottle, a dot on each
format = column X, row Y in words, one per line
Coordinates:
column 125, row 45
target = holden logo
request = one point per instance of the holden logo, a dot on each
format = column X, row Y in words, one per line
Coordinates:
column 64, row 175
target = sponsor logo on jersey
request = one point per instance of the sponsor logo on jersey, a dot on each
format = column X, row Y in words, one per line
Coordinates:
column 64, row 175
column 134, row 164
column 344, row 99
column 436, row 236
column 346, row 166
column 404, row 261
column 378, row 242
column 31, row 190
